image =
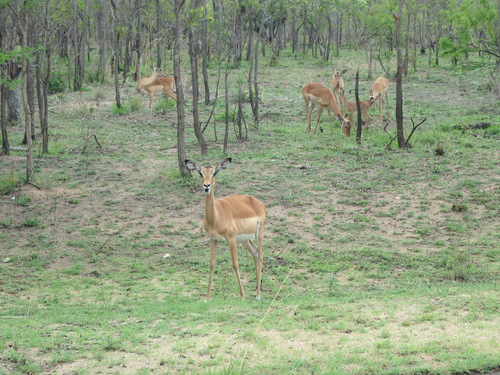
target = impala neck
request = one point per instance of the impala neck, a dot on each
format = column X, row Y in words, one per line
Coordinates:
column 151, row 79
column 210, row 213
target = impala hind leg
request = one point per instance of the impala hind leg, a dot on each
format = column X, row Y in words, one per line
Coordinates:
column 257, row 259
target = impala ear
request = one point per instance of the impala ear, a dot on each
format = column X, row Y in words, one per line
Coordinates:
column 192, row 166
column 222, row 165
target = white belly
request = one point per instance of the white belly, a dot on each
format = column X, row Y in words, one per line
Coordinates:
column 239, row 238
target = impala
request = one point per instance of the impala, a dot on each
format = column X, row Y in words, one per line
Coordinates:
column 235, row 219
column 364, row 106
column 316, row 94
column 338, row 86
column 157, row 83
column 381, row 87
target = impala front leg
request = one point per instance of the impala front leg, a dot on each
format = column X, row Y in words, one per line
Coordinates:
column 233, row 246
column 213, row 249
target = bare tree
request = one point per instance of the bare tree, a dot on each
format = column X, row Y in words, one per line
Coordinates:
column 399, row 85
column 27, row 112
column 204, row 52
column 3, row 85
column 116, row 52
column 181, row 116
column 193, row 57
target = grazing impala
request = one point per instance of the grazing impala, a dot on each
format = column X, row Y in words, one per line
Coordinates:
column 364, row 106
column 338, row 86
column 157, row 83
column 381, row 87
column 316, row 94
column 235, row 219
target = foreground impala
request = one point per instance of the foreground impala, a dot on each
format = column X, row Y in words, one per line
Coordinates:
column 316, row 94
column 157, row 83
column 381, row 87
column 235, row 219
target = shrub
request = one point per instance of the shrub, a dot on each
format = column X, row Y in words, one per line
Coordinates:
column 56, row 83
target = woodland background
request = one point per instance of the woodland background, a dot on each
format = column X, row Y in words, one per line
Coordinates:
column 377, row 259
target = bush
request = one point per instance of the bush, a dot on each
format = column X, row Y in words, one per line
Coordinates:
column 56, row 83
column 8, row 184
column 121, row 111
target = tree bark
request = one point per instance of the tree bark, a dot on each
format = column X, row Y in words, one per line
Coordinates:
column 14, row 95
column 158, row 34
column 359, row 122
column 181, row 144
column 116, row 53
column 204, row 52
column 139, row 41
column 27, row 111
column 399, row 86
column 193, row 57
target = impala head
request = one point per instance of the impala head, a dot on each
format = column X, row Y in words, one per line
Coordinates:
column 207, row 173
column 158, row 72
column 345, row 125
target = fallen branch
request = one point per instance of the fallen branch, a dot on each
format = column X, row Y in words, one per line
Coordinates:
column 414, row 128
column 388, row 146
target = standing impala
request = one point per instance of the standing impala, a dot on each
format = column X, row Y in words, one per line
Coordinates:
column 338, row 86
column 381, row 87
column 317, row 94
column 157, row 83
column 235, row 219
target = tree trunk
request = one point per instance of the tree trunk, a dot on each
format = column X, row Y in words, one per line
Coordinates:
column 102, row 37
column 139, row 41
column 27, row 111
column 158, row 34
column 3, row 119
column 14, row 95
column 193, row 57
column 407, row 44
column 226, row 94
column 116, row 53
column 237, row 33
column 181, row 144
column 359, row 122
column 30, row 92
column 42, row 82
column 204, row 52
column 399, row 85
column 329, row 42
column 3, row 88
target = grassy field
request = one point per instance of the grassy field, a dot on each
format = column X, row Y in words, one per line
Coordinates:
column 375, row 261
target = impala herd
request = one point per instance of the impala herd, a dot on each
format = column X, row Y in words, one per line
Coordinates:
column 240, row 218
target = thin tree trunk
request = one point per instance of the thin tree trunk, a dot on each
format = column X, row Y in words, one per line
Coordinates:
column 399, row 84
column 102, row 37
column 139, row 41
column 359, row 122
column 226, row 94
column 27, row 111
column 158, row 34
column 193, row 57
column 407, row 45
column 204, row 52
column 116, row 53
column 181, row 144
column 3, row 108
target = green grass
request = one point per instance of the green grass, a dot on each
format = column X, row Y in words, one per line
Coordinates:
column 375, row 261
